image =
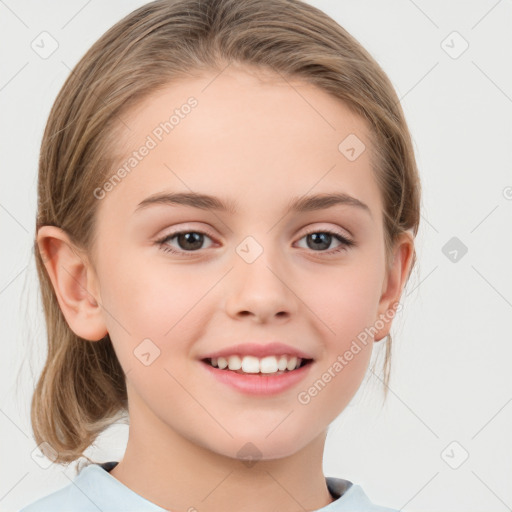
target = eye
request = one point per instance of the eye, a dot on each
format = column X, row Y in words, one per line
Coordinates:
column 320, row 240
column 188, row 241
column 192, row 241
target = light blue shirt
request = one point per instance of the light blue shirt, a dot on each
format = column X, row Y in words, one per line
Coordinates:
column 95, row 489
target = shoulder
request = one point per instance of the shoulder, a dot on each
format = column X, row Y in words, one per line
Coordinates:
column 92, row 490
column 350, row 498
column 67, row 498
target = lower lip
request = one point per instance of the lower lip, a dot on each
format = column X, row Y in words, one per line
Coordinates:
column 258, row 383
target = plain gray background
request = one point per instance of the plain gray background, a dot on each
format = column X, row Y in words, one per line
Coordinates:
column 443, row 439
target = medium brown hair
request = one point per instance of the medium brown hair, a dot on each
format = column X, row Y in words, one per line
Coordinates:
column 82, row 388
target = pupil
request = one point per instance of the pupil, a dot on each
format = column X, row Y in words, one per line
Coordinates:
column 317, row 237
column 193, row 240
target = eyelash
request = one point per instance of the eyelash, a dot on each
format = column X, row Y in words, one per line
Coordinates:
column 345, row 242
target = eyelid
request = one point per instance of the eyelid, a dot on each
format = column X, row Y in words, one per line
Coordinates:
column 206, row 231
column 333, row 229
column 185, row 228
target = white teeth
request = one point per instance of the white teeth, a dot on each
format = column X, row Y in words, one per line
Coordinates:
column 252, row 364
column 282, row 363
column 292, row 363
column 268, row 365
column 234, row 363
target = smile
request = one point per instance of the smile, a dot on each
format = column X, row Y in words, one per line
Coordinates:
column 251, row 375
column 276, row 365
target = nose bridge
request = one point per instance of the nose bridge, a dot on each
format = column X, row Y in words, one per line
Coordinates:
column 259, row 283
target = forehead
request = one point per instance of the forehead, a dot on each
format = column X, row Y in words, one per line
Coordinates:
column 253, row 136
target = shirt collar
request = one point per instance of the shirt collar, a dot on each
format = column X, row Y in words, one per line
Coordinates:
column 97, row 478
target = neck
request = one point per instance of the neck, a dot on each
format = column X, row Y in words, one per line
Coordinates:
column 176, row 474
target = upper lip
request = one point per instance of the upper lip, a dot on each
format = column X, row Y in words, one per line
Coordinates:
column 258, row 350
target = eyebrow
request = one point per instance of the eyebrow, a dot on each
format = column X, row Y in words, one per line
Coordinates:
column 208, row 202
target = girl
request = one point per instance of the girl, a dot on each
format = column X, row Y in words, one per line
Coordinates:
column 227, row 205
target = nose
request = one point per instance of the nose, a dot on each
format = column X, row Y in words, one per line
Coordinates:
column 261, row 291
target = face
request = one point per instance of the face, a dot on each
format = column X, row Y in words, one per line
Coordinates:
column 179, row 281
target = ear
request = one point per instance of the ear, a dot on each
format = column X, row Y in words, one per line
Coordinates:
column 74, row 282
column 394, row 282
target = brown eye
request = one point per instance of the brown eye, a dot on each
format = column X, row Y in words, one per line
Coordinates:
column 190, row 241
column 187, row 241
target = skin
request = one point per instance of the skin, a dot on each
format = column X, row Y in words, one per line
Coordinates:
column 261, row 141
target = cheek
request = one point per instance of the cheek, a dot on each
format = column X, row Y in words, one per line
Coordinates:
column 347, row 306
column 151, row 293
column 345, row 300
column 154, row 302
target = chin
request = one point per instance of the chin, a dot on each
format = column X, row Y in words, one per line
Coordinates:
column 275, row 446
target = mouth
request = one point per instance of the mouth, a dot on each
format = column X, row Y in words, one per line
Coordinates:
column 251, row 375
column 268, row 366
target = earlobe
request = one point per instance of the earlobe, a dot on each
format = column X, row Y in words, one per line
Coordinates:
column 394, row 284
column 74, row 283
